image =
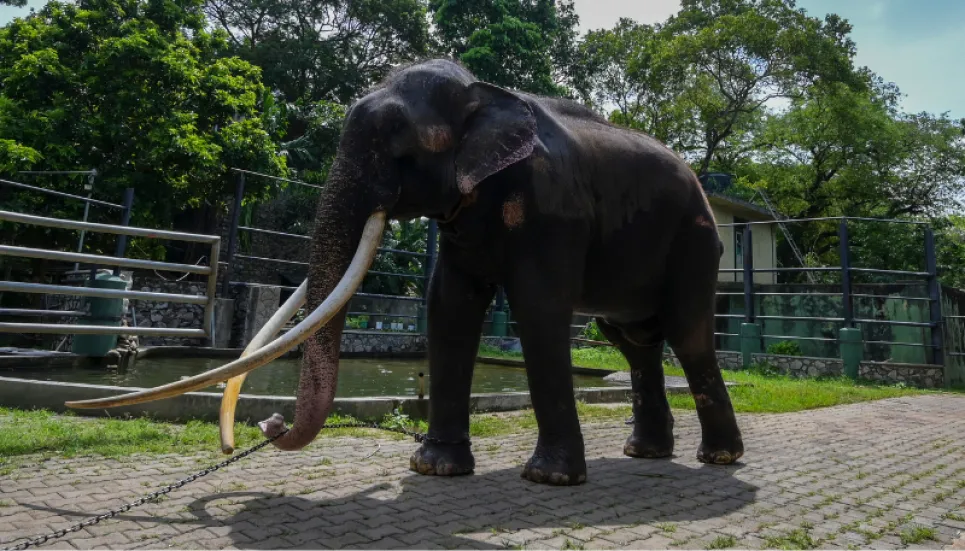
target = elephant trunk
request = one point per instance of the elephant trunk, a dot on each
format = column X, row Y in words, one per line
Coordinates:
column 339, row 227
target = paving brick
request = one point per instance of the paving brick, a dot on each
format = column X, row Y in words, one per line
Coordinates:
column 800, row 467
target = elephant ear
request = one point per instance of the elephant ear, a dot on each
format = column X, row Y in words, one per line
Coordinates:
column 500, row 130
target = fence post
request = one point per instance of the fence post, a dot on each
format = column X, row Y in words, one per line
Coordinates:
column 233, row 233
column 934, row 298
column 499, row 324
column 121, row 248
column 750, row 332
column 432, row 232
column 851, row 347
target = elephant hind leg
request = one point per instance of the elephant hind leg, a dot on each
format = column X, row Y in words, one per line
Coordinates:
column 687, row 319
column 642, row 345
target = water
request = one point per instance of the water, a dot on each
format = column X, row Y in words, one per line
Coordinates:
column 357, row 377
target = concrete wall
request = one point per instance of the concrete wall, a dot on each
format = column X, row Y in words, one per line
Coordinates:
column 29, row 394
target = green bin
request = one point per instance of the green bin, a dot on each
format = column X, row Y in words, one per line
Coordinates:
column 103, row 311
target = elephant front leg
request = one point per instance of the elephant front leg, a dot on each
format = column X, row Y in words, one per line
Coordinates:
column 545, row 336
column 456, row 309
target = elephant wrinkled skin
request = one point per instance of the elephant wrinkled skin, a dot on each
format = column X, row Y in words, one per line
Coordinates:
column 565, row 211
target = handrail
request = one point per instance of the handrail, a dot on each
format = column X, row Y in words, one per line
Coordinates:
column 43, row 289
column 207, row 300
column 97, row 259
column 9, row 216
column 11, row 183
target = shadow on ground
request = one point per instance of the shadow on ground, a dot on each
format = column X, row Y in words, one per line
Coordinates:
column 460, row 512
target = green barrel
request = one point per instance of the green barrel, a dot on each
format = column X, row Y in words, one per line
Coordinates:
column 103, row 311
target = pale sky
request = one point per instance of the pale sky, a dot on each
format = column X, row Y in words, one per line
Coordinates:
column 918, row 44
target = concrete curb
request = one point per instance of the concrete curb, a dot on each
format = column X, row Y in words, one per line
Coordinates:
column 31, row 394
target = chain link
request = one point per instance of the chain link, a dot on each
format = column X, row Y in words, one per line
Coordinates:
column 38, row 540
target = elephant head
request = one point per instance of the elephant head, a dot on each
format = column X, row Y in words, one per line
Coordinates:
column 417, row 145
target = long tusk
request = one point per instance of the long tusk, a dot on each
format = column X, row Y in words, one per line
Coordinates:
column 229, row 400
column 368, row 246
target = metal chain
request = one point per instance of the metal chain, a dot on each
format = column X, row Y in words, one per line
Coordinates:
column 419, row 437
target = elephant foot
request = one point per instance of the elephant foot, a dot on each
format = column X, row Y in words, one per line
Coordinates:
column 556, row 466
column 649, row 446
column 443, row 460
column 720, row 453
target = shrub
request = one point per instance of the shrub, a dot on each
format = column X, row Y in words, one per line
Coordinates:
column 785, row 348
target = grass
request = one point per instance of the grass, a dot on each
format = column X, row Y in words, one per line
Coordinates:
column 795, row 539
column 65, row 435
column 917, row 534
column 759, row 391
column 43, row 432
column 723, row 542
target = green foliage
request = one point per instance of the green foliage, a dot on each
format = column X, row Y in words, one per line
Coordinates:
column 138, row 90
column 917, row 534
column 317, row 57
column 799, row 538
column 513, row 43
column 785, row 348
column 409, row 235
column 722, row 542
column 592, row 332
column 400, row 421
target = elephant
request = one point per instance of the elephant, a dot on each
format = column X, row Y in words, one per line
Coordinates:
column 565, row 211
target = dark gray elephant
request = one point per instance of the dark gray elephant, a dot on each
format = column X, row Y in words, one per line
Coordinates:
column 542, row 196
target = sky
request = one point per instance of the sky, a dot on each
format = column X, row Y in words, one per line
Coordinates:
column 917, row 44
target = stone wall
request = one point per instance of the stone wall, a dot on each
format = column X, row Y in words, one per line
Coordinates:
column 379, row 342
column 147, row 313
column 803, row 366
column 922, row 376
column 916, row 375
column 725, row 359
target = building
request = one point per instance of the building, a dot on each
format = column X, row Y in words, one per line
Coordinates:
column 731, row 210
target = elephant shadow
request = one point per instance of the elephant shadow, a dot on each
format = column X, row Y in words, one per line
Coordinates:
column 445, row 511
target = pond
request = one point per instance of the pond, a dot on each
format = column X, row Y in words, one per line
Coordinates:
column 357, row 377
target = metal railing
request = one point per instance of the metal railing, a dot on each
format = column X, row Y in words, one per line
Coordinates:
column 847, row 272
column 117, row 261
column 232, row 254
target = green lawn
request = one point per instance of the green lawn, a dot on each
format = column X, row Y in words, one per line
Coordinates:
column 758, row 391
column 25, row 433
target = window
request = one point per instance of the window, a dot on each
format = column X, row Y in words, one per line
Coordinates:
column 739, row 241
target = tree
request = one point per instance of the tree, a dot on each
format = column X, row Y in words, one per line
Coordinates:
column 322, row 50
column 841, row 152
column 317, row 56
column 745, row 53
column 629, row 71
column 140, row 91
column 528, row 45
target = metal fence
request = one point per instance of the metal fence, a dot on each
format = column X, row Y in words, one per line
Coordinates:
column 92, row 262
column 499, row 320
column 847, row 273
column 232, row 254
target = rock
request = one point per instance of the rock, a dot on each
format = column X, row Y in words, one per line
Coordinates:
column 622, row 377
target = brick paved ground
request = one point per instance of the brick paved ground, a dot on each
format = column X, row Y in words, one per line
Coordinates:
column 856, row 476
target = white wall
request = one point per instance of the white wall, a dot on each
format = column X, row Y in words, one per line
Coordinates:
column 764, row 242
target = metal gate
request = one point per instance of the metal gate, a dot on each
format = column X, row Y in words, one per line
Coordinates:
column 93, row 261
